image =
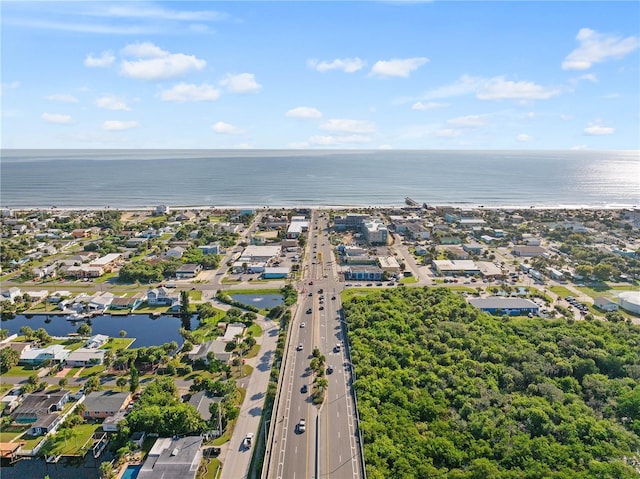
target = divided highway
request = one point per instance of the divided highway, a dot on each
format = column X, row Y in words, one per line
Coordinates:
column 329, row 446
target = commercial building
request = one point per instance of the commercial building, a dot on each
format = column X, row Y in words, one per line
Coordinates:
column 528, row 251
column 509, row 306
column 258, row 254
column 187, row 271
column 605, row 304
column 364, row 273
column 388, row 264
column 298, row 225
column 279, row 272
column 375, row 231
column 445, row 267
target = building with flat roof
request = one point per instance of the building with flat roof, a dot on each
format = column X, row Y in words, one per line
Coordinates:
column 445, row 267
column 375, row 231
column 298, row 225
column 365, row 273
column 233, row 330
column 187, row 271
column 528, row 251
column 173, row 458
column 276, row 272
column 259, row 254
column 500, row 305
column 388, row 264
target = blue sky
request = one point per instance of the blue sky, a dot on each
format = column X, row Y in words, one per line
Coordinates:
column 324, row 75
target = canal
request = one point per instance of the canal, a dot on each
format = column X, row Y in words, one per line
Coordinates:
column 146, row 330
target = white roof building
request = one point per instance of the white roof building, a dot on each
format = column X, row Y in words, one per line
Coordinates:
column 233, row 330
column 256, row 254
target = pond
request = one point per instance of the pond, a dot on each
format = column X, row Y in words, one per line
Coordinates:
column 146, row 330
column 262, row 301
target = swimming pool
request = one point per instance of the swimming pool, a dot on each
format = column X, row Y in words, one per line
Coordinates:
column 131, row 472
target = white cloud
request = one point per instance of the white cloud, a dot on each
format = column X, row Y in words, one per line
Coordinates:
column 465, row 85
column 347, row 65
column 523, row 137
column 62, row 98
column 448, row 133
column 241, row 83
column 184, row 92
column 596, row 129
column 152, row 11
column 331, row 140
column 566, row 117
column 579, row 147
column 428, row 106
column 596, row 48
column 397, row 67
column 304, row 112
column 500, row 89
column 115, row 125
column 592, row 77
column 469, row 121
column 112, row 103
column 154, row 63
column 106, row 59
column 348, row 126
column 226, row 128
column 55, row 118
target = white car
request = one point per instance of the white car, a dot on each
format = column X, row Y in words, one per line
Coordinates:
column 247, row 441
column 302, row 325
column 300, row 347
column 302, row 425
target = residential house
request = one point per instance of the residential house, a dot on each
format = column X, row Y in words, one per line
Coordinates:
column 111, row 423
column 213, row 248
column 161, row 296
column 101, row 301
column 107, row 262
column 215, row 347
column 41, row 411
column 173, row 457
column 127, row 302
column 81, row 233
column 202, row 400
column 83, row 357
column 96, row 341
column 102, row 404
column 175, row 252
column 11, row 294
column 55, row 353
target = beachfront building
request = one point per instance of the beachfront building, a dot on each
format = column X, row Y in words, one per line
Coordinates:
column 298, row 225
column 375, row 231
column 510, row 306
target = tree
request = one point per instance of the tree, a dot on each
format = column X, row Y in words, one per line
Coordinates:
column 9, row 358
column 184, row 305
column 122, row 333
column 63, row 382
column 121, row 382
column 603, row 271
column 134, row 381
column 27, row 332
column 84, row 330
column 92, row 384
column 106, row 471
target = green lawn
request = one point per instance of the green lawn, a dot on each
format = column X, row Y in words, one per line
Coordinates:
column 105, row 277
column 560, row 291
column 118, row 343
column 408, row 280
column 72, row 372
column 21, row 371
column 255, row 330
column 71, row 441
column 30, row 441
column 195, row 295
column 210, row 468
column 92, row 371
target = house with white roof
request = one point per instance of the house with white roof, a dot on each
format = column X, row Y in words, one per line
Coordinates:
column 101, row 301
column 55, row 353
column 96, row 341
column 85, row 357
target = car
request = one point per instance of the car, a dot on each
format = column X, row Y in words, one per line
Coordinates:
column 369, row 284
column 333, row 297
column 300, row 347
column 310, row 283
column 310, row 293
column 304, row 389
column 248, row 439
column 309, row 311
column 302, row 425
column 337, row 348
column 378, row 284
column 329, row 369
column 321, row 308
column 302, row 325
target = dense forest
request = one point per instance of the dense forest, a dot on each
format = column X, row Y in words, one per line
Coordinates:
column 445, row 391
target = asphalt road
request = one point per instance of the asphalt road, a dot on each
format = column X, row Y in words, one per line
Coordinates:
column 329, row 447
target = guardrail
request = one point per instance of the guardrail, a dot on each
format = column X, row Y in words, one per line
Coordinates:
column 355, row 396
column 276, row 409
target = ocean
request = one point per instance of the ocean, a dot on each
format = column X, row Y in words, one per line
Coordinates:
column 129, row 179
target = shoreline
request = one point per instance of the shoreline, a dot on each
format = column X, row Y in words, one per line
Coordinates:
column 614, row 207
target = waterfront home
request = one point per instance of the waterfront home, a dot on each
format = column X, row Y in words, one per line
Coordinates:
column 215, row 347
column 173, row 457
column 55, row 353
column 41, row 411
column 161, row 296
column 101, row 301
column 110, row 424
column 85, row 357
column 96, row 341
column 102, row 404
column 11, row 294
column 127, row 302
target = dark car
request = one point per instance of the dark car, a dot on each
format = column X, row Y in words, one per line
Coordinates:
column 304, row 389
